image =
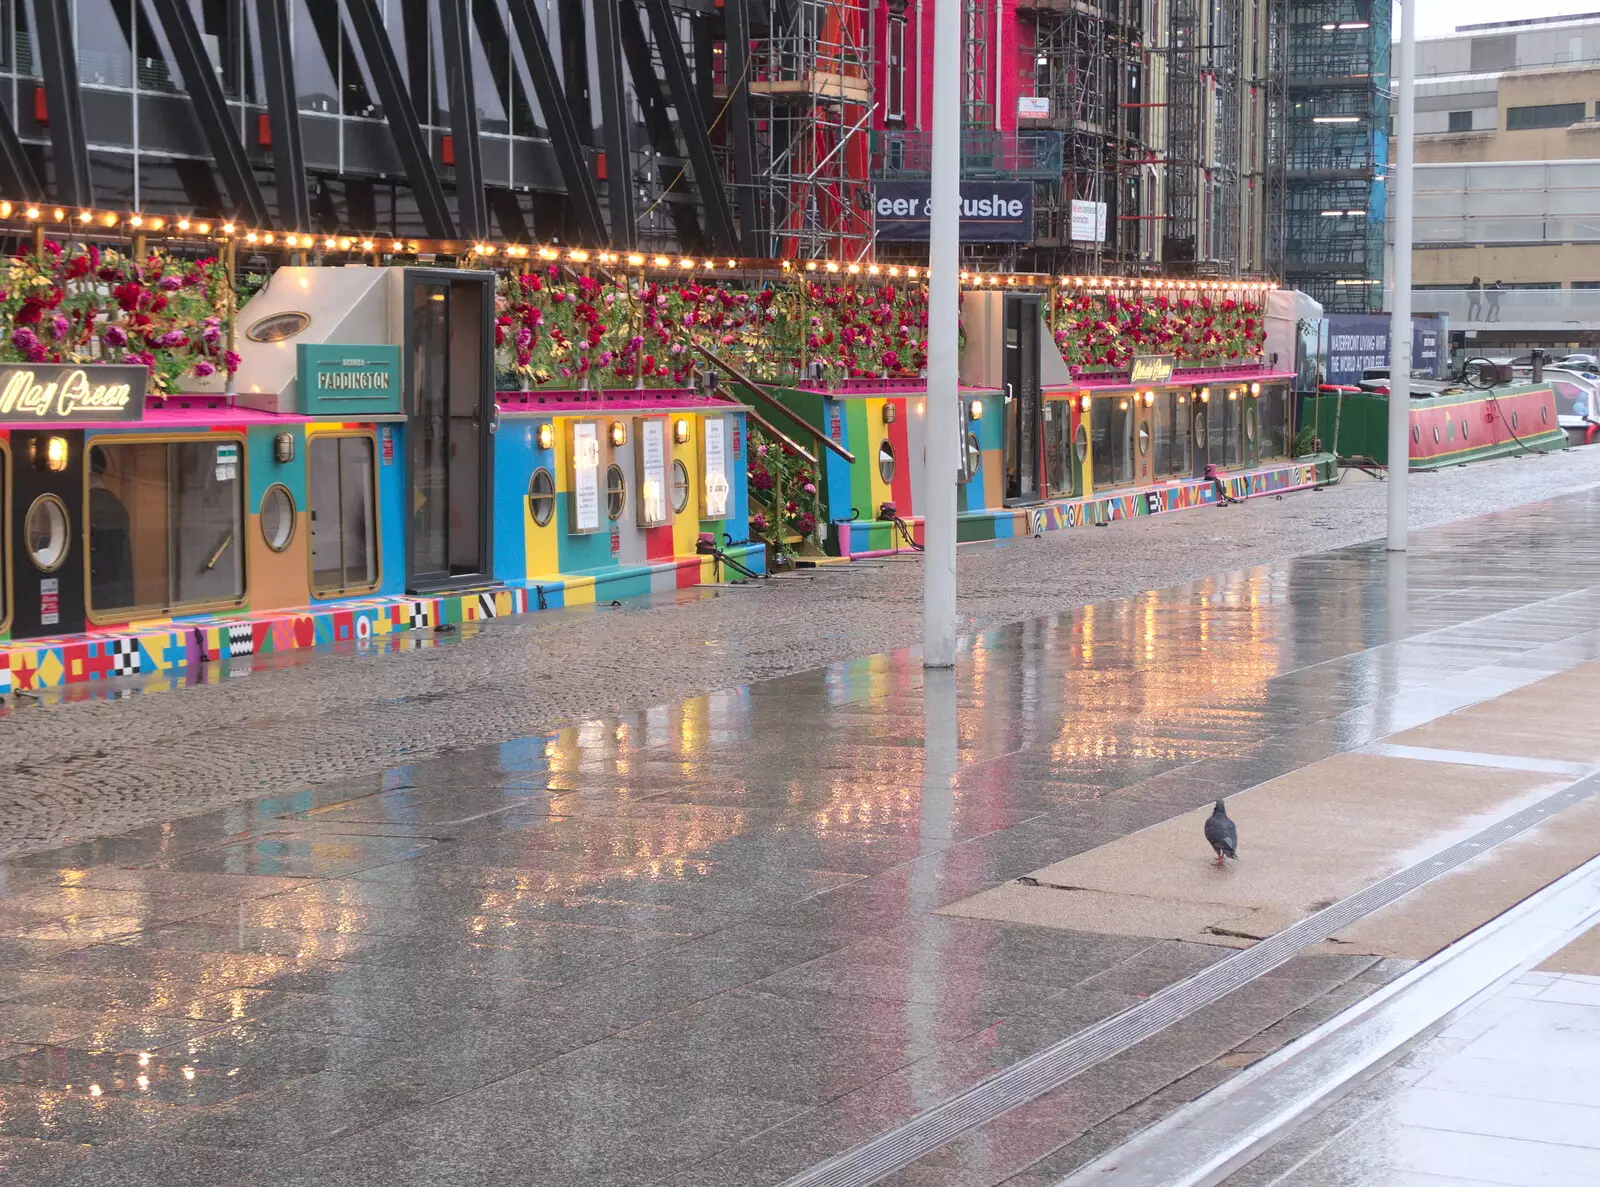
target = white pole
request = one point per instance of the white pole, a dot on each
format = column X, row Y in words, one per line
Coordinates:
column 1400, row 310
column 944, row 394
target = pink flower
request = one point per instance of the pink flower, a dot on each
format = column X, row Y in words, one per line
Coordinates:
column 171, row 338
column 810, row 488
column 203, row 368
column 115, row 336
column 170, row 283
column 60, row 326
column 24, row 339
column 230, row 361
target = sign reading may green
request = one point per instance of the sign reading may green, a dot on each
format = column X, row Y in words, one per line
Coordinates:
column 343, row 380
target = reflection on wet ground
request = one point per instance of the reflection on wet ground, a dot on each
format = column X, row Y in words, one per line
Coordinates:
column 698, row 944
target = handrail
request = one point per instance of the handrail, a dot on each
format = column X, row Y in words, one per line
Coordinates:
column 778, row 404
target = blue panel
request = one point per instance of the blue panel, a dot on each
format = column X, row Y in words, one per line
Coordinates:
column 515, row 447
column 836, row 469
column 392, row 506
column 738, row 525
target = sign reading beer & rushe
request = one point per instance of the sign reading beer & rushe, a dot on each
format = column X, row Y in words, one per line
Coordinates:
column 55, row 392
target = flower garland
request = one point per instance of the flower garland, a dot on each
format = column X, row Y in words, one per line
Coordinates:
column 84, row 305
column 563, row 331
column 1105, row 331
column 783, row 490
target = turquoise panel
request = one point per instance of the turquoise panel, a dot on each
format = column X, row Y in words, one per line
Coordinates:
column 392, row 500
column 516, row 447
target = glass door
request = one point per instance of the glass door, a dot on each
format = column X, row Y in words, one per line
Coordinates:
column 449, row 430
column 1023, row 436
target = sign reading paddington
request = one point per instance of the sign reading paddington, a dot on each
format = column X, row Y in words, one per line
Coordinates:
column 64, row 391
column 347, row 380
column 1151, row 368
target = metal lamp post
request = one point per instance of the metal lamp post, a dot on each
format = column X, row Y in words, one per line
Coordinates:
column 944, row 281
column 1400, row 310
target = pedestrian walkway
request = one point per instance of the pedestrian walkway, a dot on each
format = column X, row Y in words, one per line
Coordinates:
column 708, row 944
column 1506, row 1094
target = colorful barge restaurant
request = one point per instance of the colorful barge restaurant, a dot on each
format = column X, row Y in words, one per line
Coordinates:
column 198, row 470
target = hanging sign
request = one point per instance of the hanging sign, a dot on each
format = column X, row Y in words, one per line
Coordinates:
column 717, row 484
column 991, row 211
column 341, row 380
column 650, row 438
column 585, row 476
column 1151, row 368
column 1088, row 221
column 1033, row 107
column 62, row 392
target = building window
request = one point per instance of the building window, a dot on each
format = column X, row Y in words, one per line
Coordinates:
column 344, row 521
column 894, row 106
column 542, row 497
column 1461, row 121
column 166, row 524
column 1549, row 115
column 1171, row 417
column 1111, row 434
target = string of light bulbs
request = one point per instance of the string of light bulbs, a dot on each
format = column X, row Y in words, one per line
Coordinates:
column 84, row 222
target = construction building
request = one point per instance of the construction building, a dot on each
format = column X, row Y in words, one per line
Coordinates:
column 1337, row 151
column 1148, row 136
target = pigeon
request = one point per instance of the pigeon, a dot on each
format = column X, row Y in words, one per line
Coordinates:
column 1221, row 835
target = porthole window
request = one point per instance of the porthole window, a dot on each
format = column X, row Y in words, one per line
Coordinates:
column 277, row 517
column 1200, row 427
column 1544, row 415
column 1436, row 434
column 1464, row 430
column 886, row 462
column 616, row 492
column 680, row 487
column 1513, row 419
column 1416, row 434
column 276, row 327
column 1144, row 440
column 1250, row 423
column 542, row 497
column 1081, row 445
column 46, row 532
column 974, row 455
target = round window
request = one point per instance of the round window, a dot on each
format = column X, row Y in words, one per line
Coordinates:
column 1464, row 431
column 680, row 487
column 1081, row 444
column 886, row 462
column 1250, row 423
column 542, row 497
column 1436, row 434
column 1416, row 433
column 616, row 492
column 1544, row 415
column 1200, row 427
column 974, row 455
column 277, row 517
column 1513, row 419
column 1144, row 440
column 46, row 531
column 275, row 327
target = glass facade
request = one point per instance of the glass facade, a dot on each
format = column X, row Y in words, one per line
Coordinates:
column 344, row 519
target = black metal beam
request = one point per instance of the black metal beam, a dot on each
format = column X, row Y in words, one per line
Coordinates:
column 737, row 15
column 69, row 148
column 17, row 175
column 205, row 95
column 672, row 177
column 574, row 28
column 455, row 26
column 691, row 122
column 283, row 115
column 564, row 137
column 614, row 123
column 402, row 116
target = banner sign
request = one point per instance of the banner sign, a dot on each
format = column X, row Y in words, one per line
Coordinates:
column 67, row 392
column 343, row 380
column 1151, row 368
column 585, row 516
column 1360, row 341
column 991, row 211
column 1088, row 221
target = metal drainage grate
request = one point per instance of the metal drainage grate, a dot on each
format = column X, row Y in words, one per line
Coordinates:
column 896, row 1148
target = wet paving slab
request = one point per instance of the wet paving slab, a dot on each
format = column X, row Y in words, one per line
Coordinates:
column 701, row 943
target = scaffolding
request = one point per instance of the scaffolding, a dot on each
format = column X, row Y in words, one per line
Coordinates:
column 1337, row 151
column 810, row 100
column 1204, row 144
column 1089, row 66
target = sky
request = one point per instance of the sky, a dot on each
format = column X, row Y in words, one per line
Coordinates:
column 1437, row 17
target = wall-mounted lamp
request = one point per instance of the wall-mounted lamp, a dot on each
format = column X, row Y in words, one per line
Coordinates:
column 48, row 453
column 1183, row 399
column 1205, row 395
column 816, row 370
column 1149, row 399
column 1255, row 389
column 1123, row 405
column 283, row 448
column 547, row 435
column 1083, row 402
column 975, row 410
column 619, row 434
column 1233, row 393
column 891, row 412
column 680, row 430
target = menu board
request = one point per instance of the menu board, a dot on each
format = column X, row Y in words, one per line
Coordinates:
column 585, row 476
column 651, row 438
column 718, row 487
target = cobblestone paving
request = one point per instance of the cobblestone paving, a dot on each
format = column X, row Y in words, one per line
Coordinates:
column 81, row 769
